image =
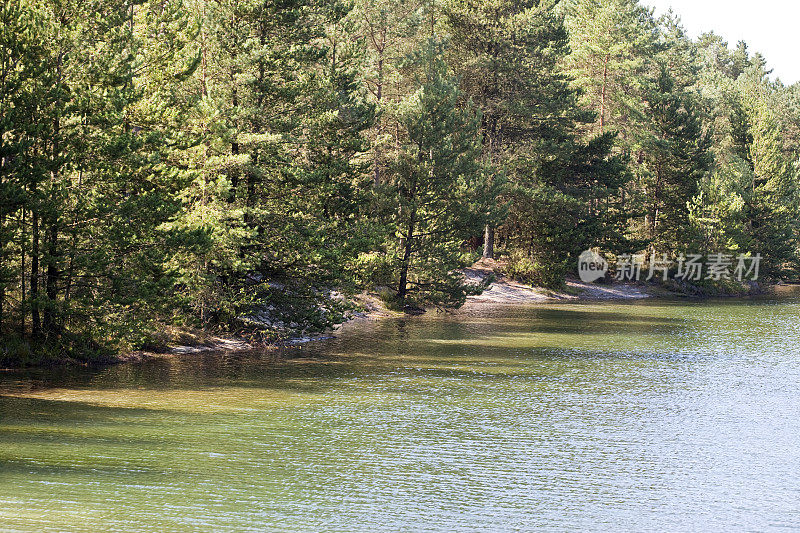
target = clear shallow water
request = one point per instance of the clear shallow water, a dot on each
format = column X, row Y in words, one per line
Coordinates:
column 624, row 417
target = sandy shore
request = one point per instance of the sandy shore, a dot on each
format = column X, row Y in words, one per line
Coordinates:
column 505, row 291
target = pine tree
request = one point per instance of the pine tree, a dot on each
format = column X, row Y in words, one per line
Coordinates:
column 336, row 174
column 506, row 55
column 439, row 187
column 770, row 198
column 390, row 31
column 91, row 250
column 283, row 186
column 612, row 43
column 751, row 202
column 676, row 161
column 571, row 201
column 509, row 57
column 21, row 54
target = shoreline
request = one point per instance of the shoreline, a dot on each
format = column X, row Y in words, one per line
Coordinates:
column 502, row 292
column 505, row 291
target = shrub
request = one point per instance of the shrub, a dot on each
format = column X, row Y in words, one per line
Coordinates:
column 522, row 268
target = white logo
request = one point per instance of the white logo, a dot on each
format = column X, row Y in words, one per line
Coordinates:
column 591, row 266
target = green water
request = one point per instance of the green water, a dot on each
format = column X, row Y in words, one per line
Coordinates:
column 621, row 417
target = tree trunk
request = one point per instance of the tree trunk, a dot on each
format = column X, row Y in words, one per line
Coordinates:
column 234, row 174
column 72, row 247
column 379, row 97
column 36, row 323
column 402, row 286
column 488, row 243
column 2, row 267
column 2, row 288
column 51, row 282
column 51, row 230
column 603, row 94
column 22, row 297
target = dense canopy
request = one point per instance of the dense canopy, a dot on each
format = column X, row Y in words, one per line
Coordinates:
column 239, row 164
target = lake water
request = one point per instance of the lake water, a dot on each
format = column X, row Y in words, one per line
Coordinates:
column 622, row 417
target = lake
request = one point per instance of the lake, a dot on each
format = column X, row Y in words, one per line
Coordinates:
column 646, row 416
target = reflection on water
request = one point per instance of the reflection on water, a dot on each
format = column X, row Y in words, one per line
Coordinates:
column 644, row 417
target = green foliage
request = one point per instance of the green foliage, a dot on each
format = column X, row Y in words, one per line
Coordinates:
column 439, row 186
column 233, row 164
column 612, row 45
column 520, row 267
column 676, row 160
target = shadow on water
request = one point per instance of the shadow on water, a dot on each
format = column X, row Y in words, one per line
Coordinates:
column 289, row 368
column 31, row 422
column 507, row 337
column 24, row 410
column 556, row 417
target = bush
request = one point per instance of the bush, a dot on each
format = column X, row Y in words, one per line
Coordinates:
column 522, row 268
column 389, row 298
column 15, row 351
column 372, row 269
